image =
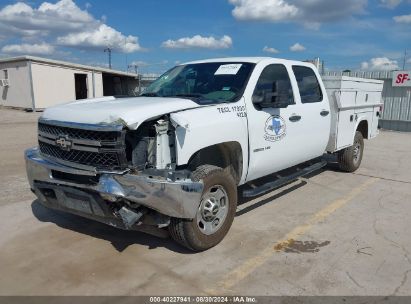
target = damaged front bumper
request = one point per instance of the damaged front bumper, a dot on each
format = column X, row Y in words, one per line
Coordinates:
column 94, row 194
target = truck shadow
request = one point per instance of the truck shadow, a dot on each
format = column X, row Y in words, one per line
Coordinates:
column 120, row 239
column 242, row 200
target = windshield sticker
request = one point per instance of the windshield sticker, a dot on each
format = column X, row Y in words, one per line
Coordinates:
column 275, row 128
column 226, row 89
column 228, row 69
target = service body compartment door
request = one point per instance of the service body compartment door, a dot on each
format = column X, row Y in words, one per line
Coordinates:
column 352, row 100
column 375, row 119
column 346, row 128
column 346, row 122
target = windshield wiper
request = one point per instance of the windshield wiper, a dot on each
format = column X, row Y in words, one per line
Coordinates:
column 149, row 95
column 189, row 95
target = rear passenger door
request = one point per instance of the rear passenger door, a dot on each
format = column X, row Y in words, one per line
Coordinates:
column 316, row 115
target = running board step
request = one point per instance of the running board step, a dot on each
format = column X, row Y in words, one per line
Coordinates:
column 281, row 181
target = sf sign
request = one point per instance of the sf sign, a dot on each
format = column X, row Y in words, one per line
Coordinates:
column 401, row 79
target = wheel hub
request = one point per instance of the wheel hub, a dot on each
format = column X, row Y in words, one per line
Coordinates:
column 213, row 210
column 357, row 151
column 210, row 209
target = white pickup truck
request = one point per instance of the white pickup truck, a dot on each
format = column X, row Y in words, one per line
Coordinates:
column 173, row 157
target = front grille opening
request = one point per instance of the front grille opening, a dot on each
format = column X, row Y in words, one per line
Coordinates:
column 76, row 196
column 102, row 150
column 74, row 178
column 102, row 136
column 104, row 160
column 48, row 193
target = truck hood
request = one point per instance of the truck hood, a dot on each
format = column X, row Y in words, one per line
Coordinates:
column 130, row 112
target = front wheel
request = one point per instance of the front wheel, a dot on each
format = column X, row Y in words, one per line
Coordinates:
column 349, row 159
column 215, row 213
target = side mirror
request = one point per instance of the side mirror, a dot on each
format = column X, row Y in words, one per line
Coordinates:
column 268, row 100
column 258, row 99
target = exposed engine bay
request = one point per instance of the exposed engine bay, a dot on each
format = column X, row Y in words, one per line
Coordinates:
column 152, row 146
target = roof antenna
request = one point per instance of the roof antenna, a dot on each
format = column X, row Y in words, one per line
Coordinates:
column 405, row 59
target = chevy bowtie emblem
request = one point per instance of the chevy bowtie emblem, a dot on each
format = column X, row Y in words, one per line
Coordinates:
column 64, row 143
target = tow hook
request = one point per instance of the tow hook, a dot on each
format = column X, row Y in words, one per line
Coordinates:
column 129, row 217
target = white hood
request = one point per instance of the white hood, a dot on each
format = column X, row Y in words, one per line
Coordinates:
column 129, row 111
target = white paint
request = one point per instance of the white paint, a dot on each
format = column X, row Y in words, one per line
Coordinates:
column 209, row 126
column 55, row 85
column 352, row 100
column 18, row 93
column 53, row 81
column 303, row 140
column 131, row 111
column 198, row 127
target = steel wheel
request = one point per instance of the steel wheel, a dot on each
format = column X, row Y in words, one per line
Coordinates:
column 349, row 159
column 215, row 213
column 213, row 210
column 356, row 152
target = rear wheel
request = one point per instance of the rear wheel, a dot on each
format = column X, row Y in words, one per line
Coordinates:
column 349, row 159
column 215, row 213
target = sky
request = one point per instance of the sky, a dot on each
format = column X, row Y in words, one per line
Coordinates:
column 157, row 34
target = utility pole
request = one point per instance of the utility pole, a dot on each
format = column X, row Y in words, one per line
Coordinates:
column 108, row 50
column 135, row 66
column 405, row 59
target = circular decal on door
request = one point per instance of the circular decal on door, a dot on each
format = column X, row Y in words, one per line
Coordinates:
column 275, row 128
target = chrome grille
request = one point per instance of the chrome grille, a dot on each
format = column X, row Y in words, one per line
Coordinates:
column 100, row 149
column 106, row 136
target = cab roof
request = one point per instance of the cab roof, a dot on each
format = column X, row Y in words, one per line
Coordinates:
column 247, row 59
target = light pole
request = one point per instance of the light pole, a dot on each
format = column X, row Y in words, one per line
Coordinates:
column 135, row 66
column 108, row 50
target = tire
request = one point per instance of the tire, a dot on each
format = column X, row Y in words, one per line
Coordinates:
column 350, row 158
column 208, row 229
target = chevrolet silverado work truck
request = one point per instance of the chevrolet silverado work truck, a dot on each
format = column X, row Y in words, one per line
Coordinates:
column 173, row 157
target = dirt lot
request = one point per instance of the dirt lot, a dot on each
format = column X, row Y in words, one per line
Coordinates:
column 331, row 234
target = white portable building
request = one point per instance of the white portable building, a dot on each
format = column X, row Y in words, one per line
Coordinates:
column 36, row 83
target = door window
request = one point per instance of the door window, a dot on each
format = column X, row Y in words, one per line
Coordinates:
column 310, row 90
column 274, row 86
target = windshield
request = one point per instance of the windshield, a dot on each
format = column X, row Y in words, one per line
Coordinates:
column 204, row 83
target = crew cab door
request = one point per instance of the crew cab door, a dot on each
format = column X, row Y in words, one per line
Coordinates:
column 286, row 129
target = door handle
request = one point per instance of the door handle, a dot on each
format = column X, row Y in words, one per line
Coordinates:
column 324, row 113
column 295, row 118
